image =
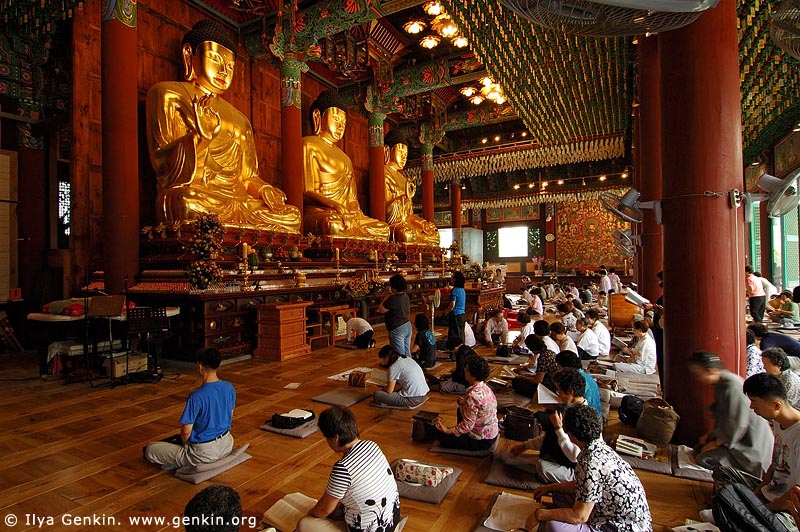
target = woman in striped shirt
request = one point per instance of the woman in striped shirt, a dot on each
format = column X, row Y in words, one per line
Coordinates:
column 361, row 495
column 477, row 412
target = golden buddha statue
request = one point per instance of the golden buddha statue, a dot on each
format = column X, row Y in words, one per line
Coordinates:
column 404, row 224
column 330, row 199
column 203, row 148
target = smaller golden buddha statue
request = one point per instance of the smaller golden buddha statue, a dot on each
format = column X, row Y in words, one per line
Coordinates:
column 330, row 199
column 405, row 225
column 203, row 149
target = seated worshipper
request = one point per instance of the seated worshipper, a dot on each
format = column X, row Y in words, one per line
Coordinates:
column 535, row 307
column 559, row 334
column 642, row 356
column 754, row 362
column 424, row 348
column 587, row 342
column 577, row 306
column 540, row 370
column 767, row 339
column 359, row 331
column 527, row 329
column 542, row 329
column 776, row 363
column 573, row 291
column 456, row 382
column 568, row 359
column 216, row 508
column 361, row 495
column 601, row 331
column 606, row 495
column 498, row 277
column 558, row 294
column 773, row 303
column 602, row 299
column 526, row 294
column 768, row 400
column 205, row 422
column 557, row 454
column 469, row 336
column 476, row 429
column 737, row 438
column 495, row 329
column 586, row 294
column 407, row 386
column 568, row 318
column 788, row 309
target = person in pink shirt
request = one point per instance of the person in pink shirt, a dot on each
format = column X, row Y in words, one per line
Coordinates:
column 755, row 294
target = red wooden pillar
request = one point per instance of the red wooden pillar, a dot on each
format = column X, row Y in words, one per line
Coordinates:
column 703, row 236
column 455, row 210
column 120, row 137
column 292, row 132
column 377, row 178
column 649, row 151
column 427, row 181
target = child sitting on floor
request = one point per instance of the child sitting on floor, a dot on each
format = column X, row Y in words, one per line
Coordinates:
column 424, row 348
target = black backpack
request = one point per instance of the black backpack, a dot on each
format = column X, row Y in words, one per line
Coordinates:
column 503, row 351
column 630, row 409
column 737, row 509
column 279, row 421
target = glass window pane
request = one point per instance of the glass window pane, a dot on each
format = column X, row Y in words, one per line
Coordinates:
column 513, row 241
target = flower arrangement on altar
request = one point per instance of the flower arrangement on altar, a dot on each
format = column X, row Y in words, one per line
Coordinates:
column 202, row 273
column 473, row 270
column 206, row 244
column 357, row 288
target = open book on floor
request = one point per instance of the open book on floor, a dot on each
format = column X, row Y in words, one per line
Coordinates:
column 635, row 447
column 694, row 526
column 285, row 513
column 378, row 377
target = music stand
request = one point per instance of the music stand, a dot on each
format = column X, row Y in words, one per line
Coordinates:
column 105, row 307
column 153, row 323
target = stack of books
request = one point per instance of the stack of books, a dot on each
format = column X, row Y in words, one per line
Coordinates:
column 635, row 447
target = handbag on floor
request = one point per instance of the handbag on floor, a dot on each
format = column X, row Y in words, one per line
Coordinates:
column 519, row 424
column 292, row 419
column 657, row 422
column 423, row 473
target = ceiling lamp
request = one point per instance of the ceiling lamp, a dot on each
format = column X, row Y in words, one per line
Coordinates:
column 500, row 100
column 468, row 91
column 624, row 174
column 448, row 29
column 516, row 186
column 414, row 26
column 477, row 99
column 433, row 8
column 492, row 92
column 430, row 42
column 486, row 81
column 484, row 140
column 524, row 133
column 497, row 138
column 602, row 178
column 560, row 181
column 531, row 185
column 460, row 41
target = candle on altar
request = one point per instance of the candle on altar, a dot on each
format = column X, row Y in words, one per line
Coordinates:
column 337, row 253
column 244, row 250
column 420, row 257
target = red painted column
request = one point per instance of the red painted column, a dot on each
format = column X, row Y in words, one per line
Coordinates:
column 703, row 236
column 427, row 181
column 455, row 203
column 120, row 138
column 377, row 178
column 649, row 151
column 292, row 132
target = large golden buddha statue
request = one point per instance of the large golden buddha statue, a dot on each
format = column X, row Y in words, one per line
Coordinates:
column 404, row 224
column 203, row 148
column 330, row 199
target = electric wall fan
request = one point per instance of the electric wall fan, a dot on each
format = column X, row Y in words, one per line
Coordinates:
column 610, row 18
column 628, row 207
column 781, row 195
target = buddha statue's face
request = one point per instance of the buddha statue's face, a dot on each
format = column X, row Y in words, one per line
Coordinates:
column 211, row 67
column 330, row 125
column 398, row 155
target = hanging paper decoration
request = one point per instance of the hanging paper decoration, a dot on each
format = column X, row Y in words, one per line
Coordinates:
column 464, row 166
column 31, row 18
column 543, row 197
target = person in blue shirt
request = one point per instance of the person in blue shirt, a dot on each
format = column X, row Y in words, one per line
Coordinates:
column 205, row 423
column 456, row 312
column 769, row 339
column 568, row 359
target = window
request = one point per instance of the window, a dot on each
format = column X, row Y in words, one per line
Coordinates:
column 513, row 241
column 445, row 239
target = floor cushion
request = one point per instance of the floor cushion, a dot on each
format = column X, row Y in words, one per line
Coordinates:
column 342, row 397
column 380, row 405
column 487, row 452
column 303, row 431
column 433, row 495
column 202, row 472
column 506, row 476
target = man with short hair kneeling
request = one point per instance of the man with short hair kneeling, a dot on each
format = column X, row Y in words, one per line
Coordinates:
column 606, row 494
column 205, row 423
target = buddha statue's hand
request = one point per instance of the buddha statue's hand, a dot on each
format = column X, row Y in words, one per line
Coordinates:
column 206, row 119
column 273, row 197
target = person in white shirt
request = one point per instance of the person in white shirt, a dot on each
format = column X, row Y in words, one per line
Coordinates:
column 469, row 336
column 588, row 346
column 527, row 329
column 574, row 291
column 643, row 355
column 542, row 329
column 769, row 288
column 603, row 336
column 495, row 328
column 360, row 332
column 536, row 304
column 559, row 333
column 526, row 294
column 605, row 282
column 614, row 278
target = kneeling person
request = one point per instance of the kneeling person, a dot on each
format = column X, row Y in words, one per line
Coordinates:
column 205, row 422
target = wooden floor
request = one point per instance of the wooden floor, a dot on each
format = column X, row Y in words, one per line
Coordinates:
column 76, row 450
